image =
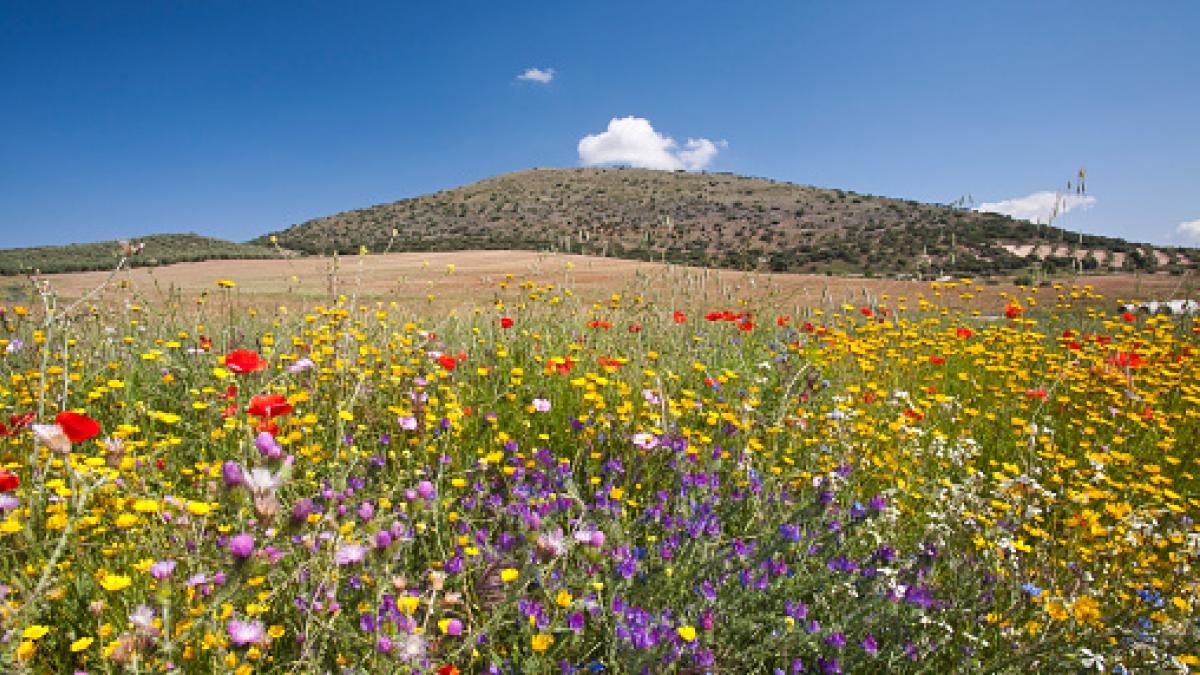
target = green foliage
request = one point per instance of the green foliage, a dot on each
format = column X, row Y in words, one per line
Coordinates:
column 161, row 249
column 719, row 220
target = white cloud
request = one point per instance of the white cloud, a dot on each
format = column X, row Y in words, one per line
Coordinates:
column 633, row 141
column 1037, row 207
column 1189, row 230
column 539, row 75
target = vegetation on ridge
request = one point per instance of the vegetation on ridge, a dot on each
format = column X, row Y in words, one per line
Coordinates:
column 718, row 220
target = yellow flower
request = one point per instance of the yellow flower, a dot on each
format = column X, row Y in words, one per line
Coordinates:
column 126, row 520
column 82, row 644
column 199, row 508
column 509, row 575
column 564, row 599
column 115, row 582
column 688, row 633
column 541, row 642
column 408, row 603
column 1086, row 609
column 1056, row 610
column 35, row 632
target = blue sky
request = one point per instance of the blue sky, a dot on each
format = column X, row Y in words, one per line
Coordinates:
column 235, row 118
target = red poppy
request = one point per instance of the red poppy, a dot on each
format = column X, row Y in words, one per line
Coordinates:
column 447, row 670
column 506, row 322
column 914, row 415
column 745, row 325
column 269, row 405
column 964, row 333
column 78, row 428
column 713, row 316
column 679, row 317
column 635, row 327
column 8, row 481
column 1125, row 360
column 782, row 320
column 866, row 311
column 606, row 362
column 16, row 423
column 1013, row 310
column 1039, row 393
column 244, row 361
column 447, row 361
column 937, row 360
column 1128, row 316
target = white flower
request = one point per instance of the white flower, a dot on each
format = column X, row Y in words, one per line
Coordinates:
column 261, row 481
column 541, row 404
column 142, row 619
column 413, row 648
column 300, row 366
column 645, row 440
column 52, row 436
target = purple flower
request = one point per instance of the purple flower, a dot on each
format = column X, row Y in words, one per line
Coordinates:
column 302, row 510
column 162, row 569
column 245, row 632
column 299, row 366
column 383, row 539
column 829, row 667
column 454, row 627
column 366, row 511
column 870, row 645
column 836, row 640
column 425, row 490
column 575, row 622
column 796, row 610
column 268, row 446
column 242, row 546
column 231, row 473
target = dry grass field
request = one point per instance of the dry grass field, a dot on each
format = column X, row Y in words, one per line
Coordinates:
column 470, row 278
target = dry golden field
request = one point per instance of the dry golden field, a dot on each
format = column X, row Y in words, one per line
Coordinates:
column 449, row 280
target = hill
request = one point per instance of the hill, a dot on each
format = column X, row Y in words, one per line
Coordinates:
column 719, row 220
column 160, row 249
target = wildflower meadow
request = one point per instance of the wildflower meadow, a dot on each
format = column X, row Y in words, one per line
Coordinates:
column 543, row 484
